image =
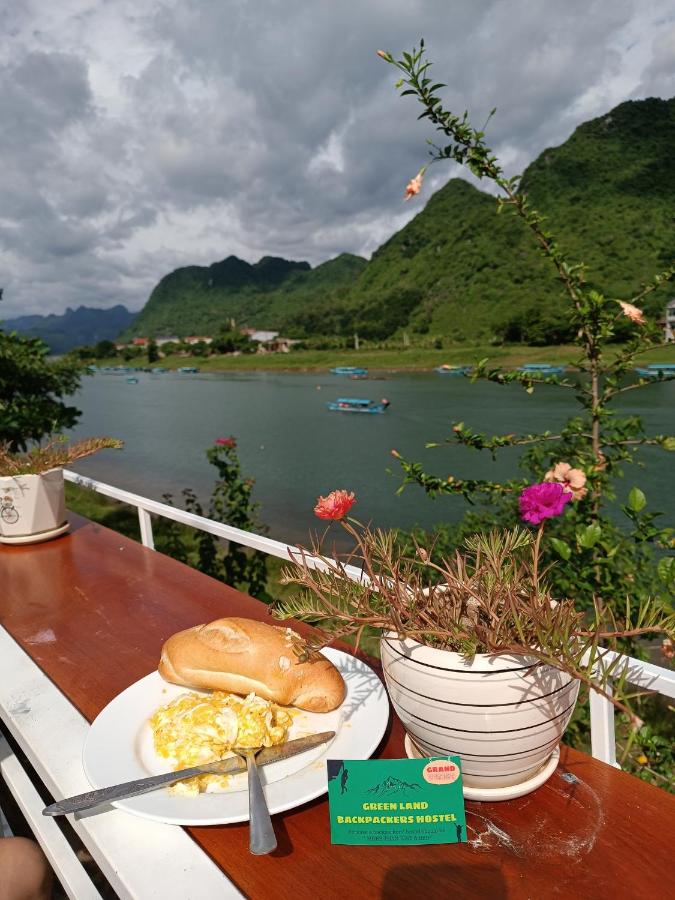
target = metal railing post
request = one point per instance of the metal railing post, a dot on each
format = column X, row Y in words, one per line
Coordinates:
column 144, row 520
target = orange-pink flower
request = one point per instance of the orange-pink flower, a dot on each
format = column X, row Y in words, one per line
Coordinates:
column 573, row 480
column 335, row 506
column 632, row 312
column 414, row 186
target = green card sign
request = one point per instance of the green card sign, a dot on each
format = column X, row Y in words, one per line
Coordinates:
column 396, row 801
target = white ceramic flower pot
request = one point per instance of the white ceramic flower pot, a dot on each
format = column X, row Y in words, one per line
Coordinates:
column 31, row 505
column 503, row 721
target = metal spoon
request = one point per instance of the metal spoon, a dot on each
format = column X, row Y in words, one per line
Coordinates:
column 261, row 836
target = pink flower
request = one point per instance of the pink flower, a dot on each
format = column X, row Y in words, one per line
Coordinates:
column 632, row 312
column 573, row 480
column 543, row 501
column 414, row 186
column 226, row 442
column 335, row 506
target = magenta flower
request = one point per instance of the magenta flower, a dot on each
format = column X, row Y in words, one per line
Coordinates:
column 226, row 442
column 543, row 501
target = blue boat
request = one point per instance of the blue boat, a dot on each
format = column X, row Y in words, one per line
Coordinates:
column 654, row 370
column 541, row 369
column 188, row 370
column 348, row 370
column 446, row 369
column 132, row 380
column 358, row 405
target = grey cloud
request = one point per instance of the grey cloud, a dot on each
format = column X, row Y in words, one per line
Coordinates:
column 659, row 76
column 267, row 127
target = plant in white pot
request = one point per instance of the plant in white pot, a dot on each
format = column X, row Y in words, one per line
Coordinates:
column 479, row 659
column 32, row 494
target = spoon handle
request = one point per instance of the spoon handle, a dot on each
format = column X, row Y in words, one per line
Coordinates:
column 262, row 838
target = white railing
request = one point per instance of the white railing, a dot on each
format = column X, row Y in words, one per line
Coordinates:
column 147, row 507
column 641, row 674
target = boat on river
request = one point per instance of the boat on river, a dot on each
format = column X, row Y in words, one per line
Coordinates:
column 655, row 370
column 132, row 379
column 446, row 369
column 541, row 369
column 348, row 370
column 358, row 405
column 188, row 370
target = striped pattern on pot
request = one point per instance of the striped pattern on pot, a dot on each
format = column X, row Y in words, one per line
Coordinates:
column 501, row 717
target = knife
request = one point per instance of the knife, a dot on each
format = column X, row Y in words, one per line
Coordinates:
column 230, row 766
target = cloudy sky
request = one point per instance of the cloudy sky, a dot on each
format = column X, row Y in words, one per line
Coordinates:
column 141, row 135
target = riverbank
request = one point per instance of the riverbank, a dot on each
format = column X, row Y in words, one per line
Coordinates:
column 408, row 359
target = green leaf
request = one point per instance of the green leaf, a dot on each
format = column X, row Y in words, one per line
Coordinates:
column 666, row 568
column 636, row 500
column 561, row 548
column 589, row 536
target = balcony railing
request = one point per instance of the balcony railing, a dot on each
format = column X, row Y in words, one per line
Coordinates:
column 603, row 744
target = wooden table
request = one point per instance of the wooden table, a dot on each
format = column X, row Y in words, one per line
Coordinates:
column 92, row 610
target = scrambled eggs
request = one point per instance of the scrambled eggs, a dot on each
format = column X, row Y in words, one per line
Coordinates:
column 194, row 729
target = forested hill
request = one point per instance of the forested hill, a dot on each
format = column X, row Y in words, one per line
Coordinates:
column 267, row 294
column 458, row 269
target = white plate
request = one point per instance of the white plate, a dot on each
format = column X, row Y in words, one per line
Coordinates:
column 119, row 748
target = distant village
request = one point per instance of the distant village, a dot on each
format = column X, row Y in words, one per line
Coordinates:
column 232, row 340
column 248, row 340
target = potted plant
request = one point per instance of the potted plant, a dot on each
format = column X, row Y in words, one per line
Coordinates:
column 32, row 494
column 479, row 659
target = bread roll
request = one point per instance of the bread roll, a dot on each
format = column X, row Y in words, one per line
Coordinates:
column 244, row 656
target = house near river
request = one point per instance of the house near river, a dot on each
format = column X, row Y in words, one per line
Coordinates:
column 668, row 322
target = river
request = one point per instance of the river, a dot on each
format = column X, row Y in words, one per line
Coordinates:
column 296, row 449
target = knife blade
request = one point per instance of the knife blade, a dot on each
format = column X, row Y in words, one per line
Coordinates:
column 230, row 766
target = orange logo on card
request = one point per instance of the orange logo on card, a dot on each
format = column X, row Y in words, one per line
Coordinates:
column 440, row 772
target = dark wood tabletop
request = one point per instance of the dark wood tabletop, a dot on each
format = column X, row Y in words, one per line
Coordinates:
column 590, row 831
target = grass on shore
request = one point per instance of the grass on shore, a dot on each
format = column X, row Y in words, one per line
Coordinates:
column 392, row 360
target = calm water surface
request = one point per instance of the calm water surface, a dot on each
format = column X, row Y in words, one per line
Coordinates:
column 296, row 449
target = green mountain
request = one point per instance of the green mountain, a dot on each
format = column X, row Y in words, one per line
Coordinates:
column 458, row 269
column 267, row 294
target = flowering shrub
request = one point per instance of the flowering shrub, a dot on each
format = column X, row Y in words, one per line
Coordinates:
column 599, row 562
column 595, row 444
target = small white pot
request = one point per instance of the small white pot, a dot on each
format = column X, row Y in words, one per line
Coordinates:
column 31, row 505
column 502, row 721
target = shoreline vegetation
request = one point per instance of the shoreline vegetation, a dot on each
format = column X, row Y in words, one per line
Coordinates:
column 385, row 360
